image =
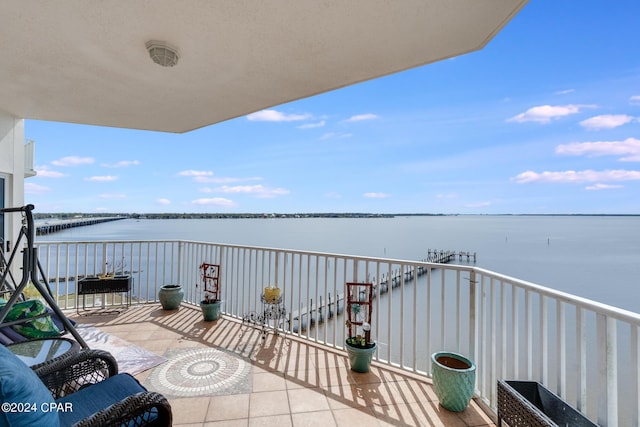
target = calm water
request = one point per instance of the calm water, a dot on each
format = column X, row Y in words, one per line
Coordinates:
column 591, row 256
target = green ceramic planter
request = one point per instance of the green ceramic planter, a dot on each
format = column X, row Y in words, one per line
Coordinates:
column 360, row 358
column 170, row 296
column 211, row 311
column 454, row 379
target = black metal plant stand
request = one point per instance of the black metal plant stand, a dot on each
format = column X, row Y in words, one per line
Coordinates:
column 273, row 313
column 30, row 268
column 121, row 284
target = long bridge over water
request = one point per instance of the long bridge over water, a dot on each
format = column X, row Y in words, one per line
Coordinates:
column 53, row 225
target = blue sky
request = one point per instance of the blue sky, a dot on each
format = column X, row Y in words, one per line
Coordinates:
column 545, row 119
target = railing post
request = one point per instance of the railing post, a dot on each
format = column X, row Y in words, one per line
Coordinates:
column 472, row 316
column 179, row 266
column 607, row 371
column 581, row 350
column 561, row 339
column 105, row 258
column 222, row 279
column 544, row 340
column 635, row 375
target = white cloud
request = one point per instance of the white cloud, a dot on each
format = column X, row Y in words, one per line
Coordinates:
column 602, row 187
column 163, row 201
column 122, row 164
column 113, row 196
column 564, row 92
column 44, row 172
column 577, row 176
column 104, row 178
column 276, row 116
column 73, row 161
column 191, row 172
column 628, row 150
column 256, row 190
column 31, row 188
column 546, row 113
column 206, row 177
column 606, row 121
column 225, row 180
column 446, row 196
column 634, row 100
column 215, row 201
column 362, row 117
column 312, row 125
column 376, row 195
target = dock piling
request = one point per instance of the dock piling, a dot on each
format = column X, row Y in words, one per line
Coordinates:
column 387, row 281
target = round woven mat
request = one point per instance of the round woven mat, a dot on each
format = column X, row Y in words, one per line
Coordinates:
column 200, row 372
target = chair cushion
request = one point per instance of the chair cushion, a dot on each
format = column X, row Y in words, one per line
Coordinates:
column 26, row 396
column 97, row 397
column 56, row 321
column 4, row 340
column 13, row 335
column 41, row 327
column 9, row 336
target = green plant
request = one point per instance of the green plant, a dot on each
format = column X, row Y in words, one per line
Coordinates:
column 359, row 328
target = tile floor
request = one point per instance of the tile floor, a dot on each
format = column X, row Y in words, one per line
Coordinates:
column 288, row 382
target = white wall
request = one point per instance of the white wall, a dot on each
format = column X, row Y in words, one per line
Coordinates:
column 12, row 168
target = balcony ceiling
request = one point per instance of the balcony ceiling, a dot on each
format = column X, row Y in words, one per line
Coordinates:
column 86, row 62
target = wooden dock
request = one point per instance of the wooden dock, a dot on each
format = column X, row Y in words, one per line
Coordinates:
column 443, row 257
column 393, row 279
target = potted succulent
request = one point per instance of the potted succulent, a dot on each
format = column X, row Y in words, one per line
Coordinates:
column 211, row 307
column 359, row 345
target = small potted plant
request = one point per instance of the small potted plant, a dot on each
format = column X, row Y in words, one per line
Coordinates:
column 359, row 345
column 211, row 303
column 210, row 307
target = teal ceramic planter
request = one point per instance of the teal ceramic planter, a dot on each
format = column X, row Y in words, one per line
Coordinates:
column 170, row 296
column 454, row 379
column 360, row 358
column 211, row 310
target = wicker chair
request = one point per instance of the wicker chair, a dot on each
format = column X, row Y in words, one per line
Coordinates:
column 88, row 368
column 89, row 385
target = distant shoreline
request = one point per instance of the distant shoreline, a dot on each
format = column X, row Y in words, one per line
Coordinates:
column 43, row 216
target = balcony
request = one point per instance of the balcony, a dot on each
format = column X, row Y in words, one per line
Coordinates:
column 289, row 381
column 586, row 352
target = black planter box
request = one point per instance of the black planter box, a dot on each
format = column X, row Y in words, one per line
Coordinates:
column 97, row 285
column 528, row 403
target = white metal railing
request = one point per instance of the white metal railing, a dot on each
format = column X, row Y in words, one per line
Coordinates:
column 586, row 352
